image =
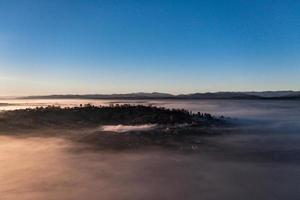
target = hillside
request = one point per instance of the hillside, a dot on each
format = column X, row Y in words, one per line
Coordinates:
column 91, row 116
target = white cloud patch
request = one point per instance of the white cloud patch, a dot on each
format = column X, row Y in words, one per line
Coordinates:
column 127, row 128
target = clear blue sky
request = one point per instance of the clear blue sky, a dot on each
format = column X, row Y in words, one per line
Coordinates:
column 122, row 46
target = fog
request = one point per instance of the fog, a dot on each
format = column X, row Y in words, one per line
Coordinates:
column 258, row 159
column 127, row 128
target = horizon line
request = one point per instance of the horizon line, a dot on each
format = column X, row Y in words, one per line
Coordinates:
column 154, row 92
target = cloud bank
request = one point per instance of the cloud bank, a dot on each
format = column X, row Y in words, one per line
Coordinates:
column 127, row 128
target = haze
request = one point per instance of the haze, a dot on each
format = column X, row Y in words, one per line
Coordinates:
column 258, row 160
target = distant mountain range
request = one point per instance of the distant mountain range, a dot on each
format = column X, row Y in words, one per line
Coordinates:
column 289, row 95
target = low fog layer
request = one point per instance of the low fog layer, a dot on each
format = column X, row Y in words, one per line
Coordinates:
column 259, row 160
column 52, row 168
column 126, row 128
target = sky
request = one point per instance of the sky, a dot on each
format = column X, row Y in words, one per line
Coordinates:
column 123, row 46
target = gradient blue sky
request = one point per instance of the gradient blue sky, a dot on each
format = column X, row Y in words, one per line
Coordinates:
column 122, row 46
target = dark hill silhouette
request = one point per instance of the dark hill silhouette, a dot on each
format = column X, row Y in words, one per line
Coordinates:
column 219, row 95
column 89, row 115
column 155, row 95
